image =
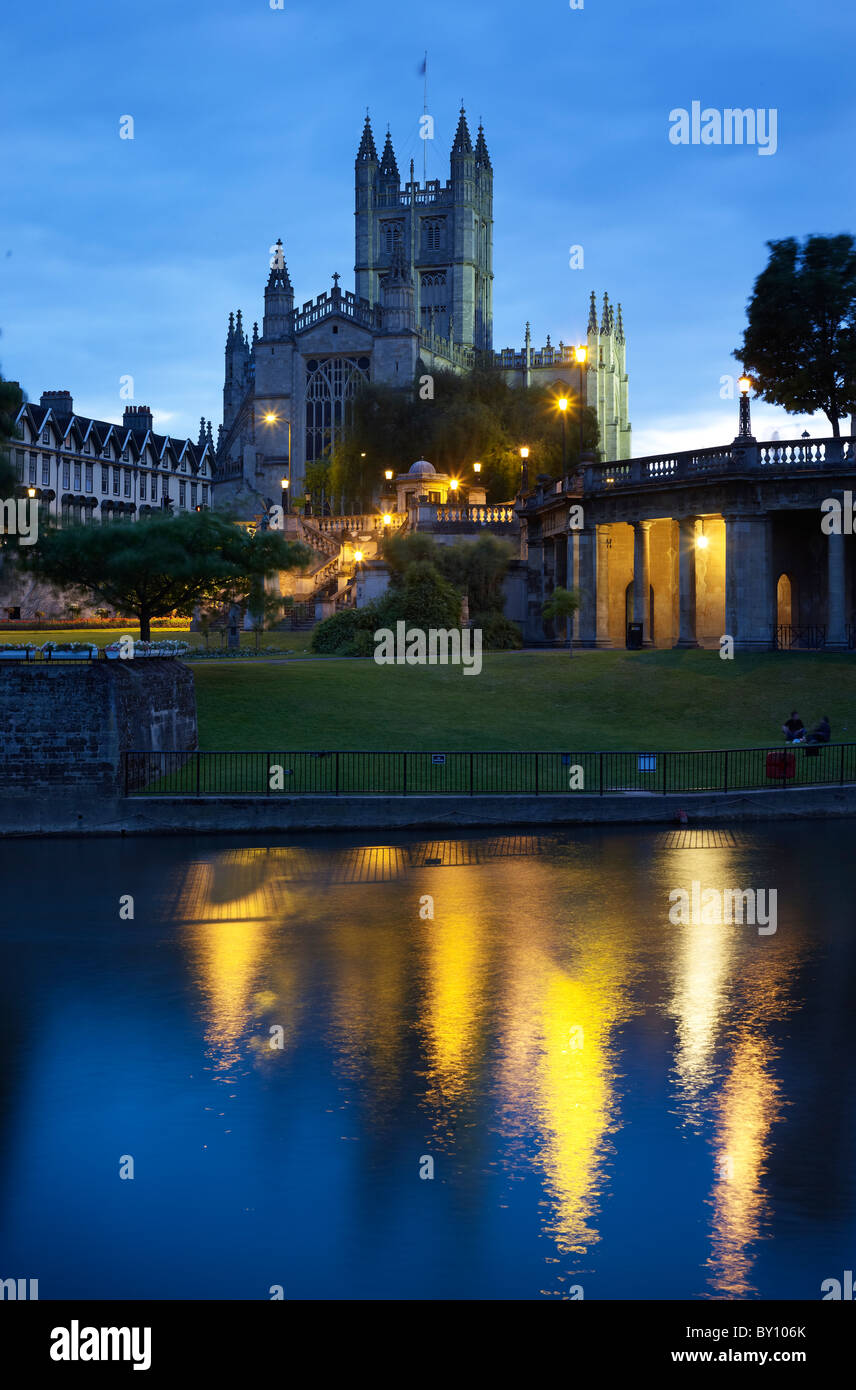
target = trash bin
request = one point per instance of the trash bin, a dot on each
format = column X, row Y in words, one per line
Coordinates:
column 634, row 636
column 781, row 765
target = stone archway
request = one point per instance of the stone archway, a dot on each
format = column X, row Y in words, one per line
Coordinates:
column 784, row 601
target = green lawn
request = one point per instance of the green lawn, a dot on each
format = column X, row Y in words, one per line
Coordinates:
column 526, row 700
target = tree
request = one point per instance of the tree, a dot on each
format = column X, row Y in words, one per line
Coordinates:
column 163, row 565
column 478, row 416
column 800, row 342
column 562, row 604
column 11, row 399
column 475, row 568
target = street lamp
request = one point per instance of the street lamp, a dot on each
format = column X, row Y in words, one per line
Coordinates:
column 745, row 386
column 477, row 468
column 358, row 557
column 581, row 357
column 524, row 474
column 270, row 417
column 563, row 410
column 387, row 473
column 31, row 492
column 283, row 488
column 387, row 519
column 453, row 484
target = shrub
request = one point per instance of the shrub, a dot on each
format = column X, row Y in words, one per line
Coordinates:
column 336, row 632
column 499, row 634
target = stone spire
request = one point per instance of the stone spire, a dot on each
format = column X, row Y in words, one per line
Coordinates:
column 367, row 153
column 255, row 335
column 604, row 318
column 592, row 318
column 619, row 329
column 388, row 166
column 230, row 332
column 200, row 443
column 209, row 437
column 279, row 297
column 482, row 156
column 463, row 144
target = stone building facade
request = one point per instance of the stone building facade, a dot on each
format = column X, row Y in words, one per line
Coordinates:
column 422, row 301
column 88, row 470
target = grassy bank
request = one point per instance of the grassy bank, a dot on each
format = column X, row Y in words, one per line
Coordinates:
column 539, row 700
column 297, row 642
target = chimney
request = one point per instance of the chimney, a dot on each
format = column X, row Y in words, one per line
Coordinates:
column 59, row 402
column 137, row 417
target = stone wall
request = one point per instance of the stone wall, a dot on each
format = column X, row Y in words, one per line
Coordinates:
column 66, row 725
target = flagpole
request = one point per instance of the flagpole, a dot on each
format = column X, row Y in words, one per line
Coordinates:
column 425, row 112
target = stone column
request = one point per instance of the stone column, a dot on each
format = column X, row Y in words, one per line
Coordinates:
column 587, row 583
column 686, row 582
column 750, row 593
column 642, row 579
column 836, row 632
column 604, row 541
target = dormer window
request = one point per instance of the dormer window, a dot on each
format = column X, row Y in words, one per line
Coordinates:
column 46, row 436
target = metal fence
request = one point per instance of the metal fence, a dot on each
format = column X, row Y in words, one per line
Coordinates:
column 486, row 773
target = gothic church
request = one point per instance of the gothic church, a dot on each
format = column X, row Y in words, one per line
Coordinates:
column 423, row 301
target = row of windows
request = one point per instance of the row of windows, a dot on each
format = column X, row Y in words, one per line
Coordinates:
column 433, row 234
column 81, row 472
column 80, row 477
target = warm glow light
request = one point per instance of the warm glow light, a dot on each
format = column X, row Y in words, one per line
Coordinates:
column 283, row 482
column 387, row 474
column 477, row 468
column 563, row 403
column 358, row 555
column 702, row 542
column 31, row 492
column 745, row 384
column 580, row 354
column 453, row 484
column 270, row 418
column 387, row 519
column 524, row 453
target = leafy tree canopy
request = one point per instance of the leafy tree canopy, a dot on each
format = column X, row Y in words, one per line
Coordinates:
column 164, row 564
column 477, row 417
column 800, row 342
column 475, row 568
column 11, row 399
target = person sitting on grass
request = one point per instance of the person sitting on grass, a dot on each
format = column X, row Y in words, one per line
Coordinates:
column 821, row 733
column 793, row 728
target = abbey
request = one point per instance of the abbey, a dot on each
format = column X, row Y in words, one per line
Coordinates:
column 422, row 301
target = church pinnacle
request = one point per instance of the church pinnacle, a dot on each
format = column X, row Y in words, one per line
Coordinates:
column 388, row 166
column 482, row 156
column 606, row 316
column 463, row 143
column 592, row 318
column 367, row 152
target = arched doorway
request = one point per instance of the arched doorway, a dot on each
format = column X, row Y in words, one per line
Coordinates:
column 784, row 602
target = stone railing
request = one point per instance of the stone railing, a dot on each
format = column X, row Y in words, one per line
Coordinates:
column 336, row 302
column 737, row 457
column 501, row 515
column 362, row 522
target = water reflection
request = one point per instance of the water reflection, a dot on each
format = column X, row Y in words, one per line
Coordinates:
column 610, row 1100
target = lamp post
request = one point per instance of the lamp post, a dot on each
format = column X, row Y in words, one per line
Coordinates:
column 283, row 490
column 477, row 468
column 581, row 357
column 745, row 385
column 524, row 467
column 563, row 411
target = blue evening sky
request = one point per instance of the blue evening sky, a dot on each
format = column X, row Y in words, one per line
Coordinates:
column 124, row 257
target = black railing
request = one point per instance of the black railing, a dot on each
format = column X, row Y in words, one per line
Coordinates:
column 486, row 773
column 809, row 638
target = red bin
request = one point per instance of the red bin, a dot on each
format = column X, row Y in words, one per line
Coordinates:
column 780, row 764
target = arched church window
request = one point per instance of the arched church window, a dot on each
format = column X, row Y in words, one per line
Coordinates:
column 331, row 383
